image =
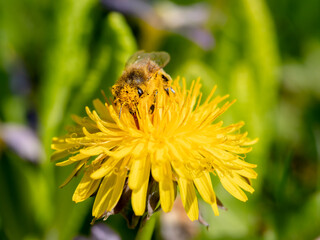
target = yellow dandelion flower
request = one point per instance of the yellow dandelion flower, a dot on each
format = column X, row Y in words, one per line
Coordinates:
column 179, row 143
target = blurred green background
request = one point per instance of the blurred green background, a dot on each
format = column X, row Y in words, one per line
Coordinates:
column 56, row 56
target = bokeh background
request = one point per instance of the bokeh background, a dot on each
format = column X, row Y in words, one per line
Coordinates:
column 56, row 57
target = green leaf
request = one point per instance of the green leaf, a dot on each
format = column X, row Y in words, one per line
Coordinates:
column 66, row 63
column 114, row 48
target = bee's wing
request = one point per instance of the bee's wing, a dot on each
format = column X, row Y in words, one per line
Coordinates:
column 160, row 58
column 135, row 57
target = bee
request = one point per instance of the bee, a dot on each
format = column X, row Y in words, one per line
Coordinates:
column 143, row 76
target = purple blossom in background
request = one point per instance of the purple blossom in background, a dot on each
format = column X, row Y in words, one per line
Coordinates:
column 187, row 21
column 23, row 141
column 100, row 231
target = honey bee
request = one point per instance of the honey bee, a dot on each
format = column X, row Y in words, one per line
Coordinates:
column 143, row 75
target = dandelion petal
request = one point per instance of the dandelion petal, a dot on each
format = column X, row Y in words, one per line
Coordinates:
column 139, row 195
column 166, row 195
column 189, row 198
column 136, row 176
column 204, row 187
column 86, row 187
column 109, row 193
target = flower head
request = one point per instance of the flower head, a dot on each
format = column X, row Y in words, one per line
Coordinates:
column 178, row 143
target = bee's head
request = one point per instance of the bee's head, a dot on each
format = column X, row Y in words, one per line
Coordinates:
column 126, row 95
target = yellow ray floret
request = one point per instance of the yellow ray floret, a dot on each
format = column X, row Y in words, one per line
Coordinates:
column 178, row 143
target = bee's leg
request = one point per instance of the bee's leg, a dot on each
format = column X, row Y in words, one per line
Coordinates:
column 120, row 112
column 164, row 78
column 154, row 102
column 171, row 89
column 151, row 109
column 136, row 120
column 122, row 105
